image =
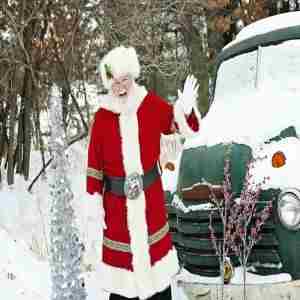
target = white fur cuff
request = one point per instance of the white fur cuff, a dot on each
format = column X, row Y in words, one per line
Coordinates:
column 94, row 209
column 180, row 119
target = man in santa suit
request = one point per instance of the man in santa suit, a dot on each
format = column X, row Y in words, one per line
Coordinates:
column 123, row 176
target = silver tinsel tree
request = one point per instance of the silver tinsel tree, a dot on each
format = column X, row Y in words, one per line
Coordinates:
column 65, row 247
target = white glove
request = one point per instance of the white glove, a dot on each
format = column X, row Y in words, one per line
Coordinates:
column 187, row 98
column 94, row 210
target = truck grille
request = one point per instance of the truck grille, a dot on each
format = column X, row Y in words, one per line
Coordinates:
column 191, row 237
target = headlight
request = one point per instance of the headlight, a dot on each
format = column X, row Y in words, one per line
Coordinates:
column 289, row 208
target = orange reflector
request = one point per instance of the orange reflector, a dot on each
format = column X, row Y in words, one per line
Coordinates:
column 170, row 166
column 278, row 159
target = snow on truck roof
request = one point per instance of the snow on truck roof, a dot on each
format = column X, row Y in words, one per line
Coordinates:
column 268, row 24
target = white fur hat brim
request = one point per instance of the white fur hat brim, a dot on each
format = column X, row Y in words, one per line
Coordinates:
column 120, row 61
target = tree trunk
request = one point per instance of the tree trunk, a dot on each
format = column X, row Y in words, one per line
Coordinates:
column 195, row 44
column 27, row 127
column 27, row 100
column 11, row 141
column 65, row 105
column 39, row 137
column 3, row 139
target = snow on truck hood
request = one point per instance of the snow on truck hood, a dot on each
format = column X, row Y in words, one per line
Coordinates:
column 248, row 119
column 245, row 114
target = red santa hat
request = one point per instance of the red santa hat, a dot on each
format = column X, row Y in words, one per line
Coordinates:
column 118, row 62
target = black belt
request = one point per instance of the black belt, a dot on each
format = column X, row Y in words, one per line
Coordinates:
column 116, row 184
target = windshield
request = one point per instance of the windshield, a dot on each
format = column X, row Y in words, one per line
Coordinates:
column 236, row 74
column 257, row 95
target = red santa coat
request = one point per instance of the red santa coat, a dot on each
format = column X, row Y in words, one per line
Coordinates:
column 138, row 257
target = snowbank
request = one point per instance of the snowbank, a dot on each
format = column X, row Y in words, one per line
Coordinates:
column 21, row 273
column 237, row 279
column 275, row 287
column 23, row 276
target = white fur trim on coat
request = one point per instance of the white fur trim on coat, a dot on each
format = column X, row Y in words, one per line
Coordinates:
column 181, row 121
column 93, row 209
column 122, row 61
column 145, row 280
column 123, row 282
column 136, row 210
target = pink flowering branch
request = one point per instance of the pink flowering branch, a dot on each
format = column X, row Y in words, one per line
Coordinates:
column 245, row 233
column 223, row 209
column 241, row 223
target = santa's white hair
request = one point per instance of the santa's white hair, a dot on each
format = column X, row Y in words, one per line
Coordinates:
column 120, row 61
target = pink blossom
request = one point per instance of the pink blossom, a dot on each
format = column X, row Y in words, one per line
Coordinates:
column 237, row 218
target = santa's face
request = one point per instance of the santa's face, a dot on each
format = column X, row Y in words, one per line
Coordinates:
column 121, row 86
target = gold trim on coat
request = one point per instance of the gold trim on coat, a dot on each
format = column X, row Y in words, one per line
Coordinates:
column 91, row 172
column 124, row 247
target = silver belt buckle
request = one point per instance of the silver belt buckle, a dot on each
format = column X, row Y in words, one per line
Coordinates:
column 133, row 185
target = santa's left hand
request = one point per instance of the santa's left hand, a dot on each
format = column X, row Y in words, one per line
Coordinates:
column 187, row 98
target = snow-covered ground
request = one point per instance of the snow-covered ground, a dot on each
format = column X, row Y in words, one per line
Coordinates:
column 24, row 219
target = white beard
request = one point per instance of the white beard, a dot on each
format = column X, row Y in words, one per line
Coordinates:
column 126, row 104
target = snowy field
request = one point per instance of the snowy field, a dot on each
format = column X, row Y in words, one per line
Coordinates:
column 24, row 269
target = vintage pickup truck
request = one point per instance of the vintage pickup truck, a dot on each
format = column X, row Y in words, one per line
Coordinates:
column 255, row 109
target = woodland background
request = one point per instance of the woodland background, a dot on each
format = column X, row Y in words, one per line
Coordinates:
column 62, row 41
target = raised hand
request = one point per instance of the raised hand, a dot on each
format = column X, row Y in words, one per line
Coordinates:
column 187, row 98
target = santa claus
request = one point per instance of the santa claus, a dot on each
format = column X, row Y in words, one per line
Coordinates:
column 123, row 176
